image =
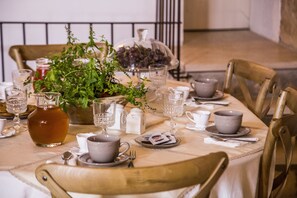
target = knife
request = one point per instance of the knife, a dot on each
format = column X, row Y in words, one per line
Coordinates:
column 224, row 103
column 243, row 139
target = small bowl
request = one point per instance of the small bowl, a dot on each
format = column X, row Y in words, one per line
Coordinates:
column 228, row 121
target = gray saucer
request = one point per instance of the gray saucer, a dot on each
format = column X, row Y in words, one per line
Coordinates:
column 85, row 160
column 217, row 96
column 212, row 130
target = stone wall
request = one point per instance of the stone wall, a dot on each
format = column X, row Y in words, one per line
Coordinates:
column 288, row 27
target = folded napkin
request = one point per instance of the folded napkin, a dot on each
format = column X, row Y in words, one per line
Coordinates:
column 229, row 143
column 7, row 133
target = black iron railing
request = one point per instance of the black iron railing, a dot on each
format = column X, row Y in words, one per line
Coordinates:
column 166, row 28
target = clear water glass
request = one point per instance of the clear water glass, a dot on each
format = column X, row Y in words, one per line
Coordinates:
column 104, row 113
column 173, row 107
column 22, row 78
column 16, row 103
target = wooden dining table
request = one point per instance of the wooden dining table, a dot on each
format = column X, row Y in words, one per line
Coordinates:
column 20, row 156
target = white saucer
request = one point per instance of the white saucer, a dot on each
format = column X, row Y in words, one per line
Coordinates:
column 85, row 160
column 212, row 130
column 192, row 126
column 7, row 133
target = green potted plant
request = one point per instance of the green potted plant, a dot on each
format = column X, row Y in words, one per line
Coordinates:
column 85, row 71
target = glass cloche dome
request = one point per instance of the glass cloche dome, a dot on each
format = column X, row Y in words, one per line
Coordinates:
column 141, row 52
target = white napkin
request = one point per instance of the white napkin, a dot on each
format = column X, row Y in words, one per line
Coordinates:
column 229, row 143
column 7, row 132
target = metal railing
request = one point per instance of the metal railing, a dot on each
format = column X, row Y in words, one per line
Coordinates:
column 166, row 28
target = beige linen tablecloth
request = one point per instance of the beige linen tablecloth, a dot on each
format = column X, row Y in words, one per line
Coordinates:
column 20, row 157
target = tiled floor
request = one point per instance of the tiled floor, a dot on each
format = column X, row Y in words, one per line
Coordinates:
column 210, row 51
column 207, row 53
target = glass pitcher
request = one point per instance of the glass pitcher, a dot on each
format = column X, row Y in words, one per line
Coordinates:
column 48, row 124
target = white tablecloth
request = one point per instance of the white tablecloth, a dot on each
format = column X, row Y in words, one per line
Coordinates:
column 20, row 157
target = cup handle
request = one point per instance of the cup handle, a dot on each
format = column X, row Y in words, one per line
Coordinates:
column 190, row 116
column 126, row 149
column 192, row 84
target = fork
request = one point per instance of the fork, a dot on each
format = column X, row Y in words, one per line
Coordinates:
column 132, row 156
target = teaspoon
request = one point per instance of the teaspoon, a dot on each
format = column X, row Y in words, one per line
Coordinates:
column 67, row 156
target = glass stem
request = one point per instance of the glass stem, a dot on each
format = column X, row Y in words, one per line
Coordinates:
column 17, row 121
column 104, row 131
column 172, row 125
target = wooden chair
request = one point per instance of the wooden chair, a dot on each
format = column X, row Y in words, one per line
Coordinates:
column 22, row 53
column 282, row 130
column 260, row 79
column 204, row 170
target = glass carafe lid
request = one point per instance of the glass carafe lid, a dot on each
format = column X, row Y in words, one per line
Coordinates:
column 142, row 51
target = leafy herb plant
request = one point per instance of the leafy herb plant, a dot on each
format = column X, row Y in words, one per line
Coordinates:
column 85, row 71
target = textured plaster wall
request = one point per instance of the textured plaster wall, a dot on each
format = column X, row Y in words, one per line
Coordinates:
column 288, row 28
column 265, row 18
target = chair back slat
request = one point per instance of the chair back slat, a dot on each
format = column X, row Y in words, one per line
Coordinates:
column 204, row 170
column 245, row 91
column 23, row 53
column 255, row 83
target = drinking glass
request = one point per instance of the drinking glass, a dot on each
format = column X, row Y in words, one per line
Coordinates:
column 173, row 106
column 16, row 103
column 22, row 78
column 158, row 75
column 104, row 113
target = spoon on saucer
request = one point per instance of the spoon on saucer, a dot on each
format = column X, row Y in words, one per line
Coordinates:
column 66, row 156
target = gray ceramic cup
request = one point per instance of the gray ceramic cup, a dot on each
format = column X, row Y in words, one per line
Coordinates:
column 205, row 88
column 228, row 121
column 105, row 148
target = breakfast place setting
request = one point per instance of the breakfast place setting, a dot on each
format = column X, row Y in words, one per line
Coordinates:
column 86, row 112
